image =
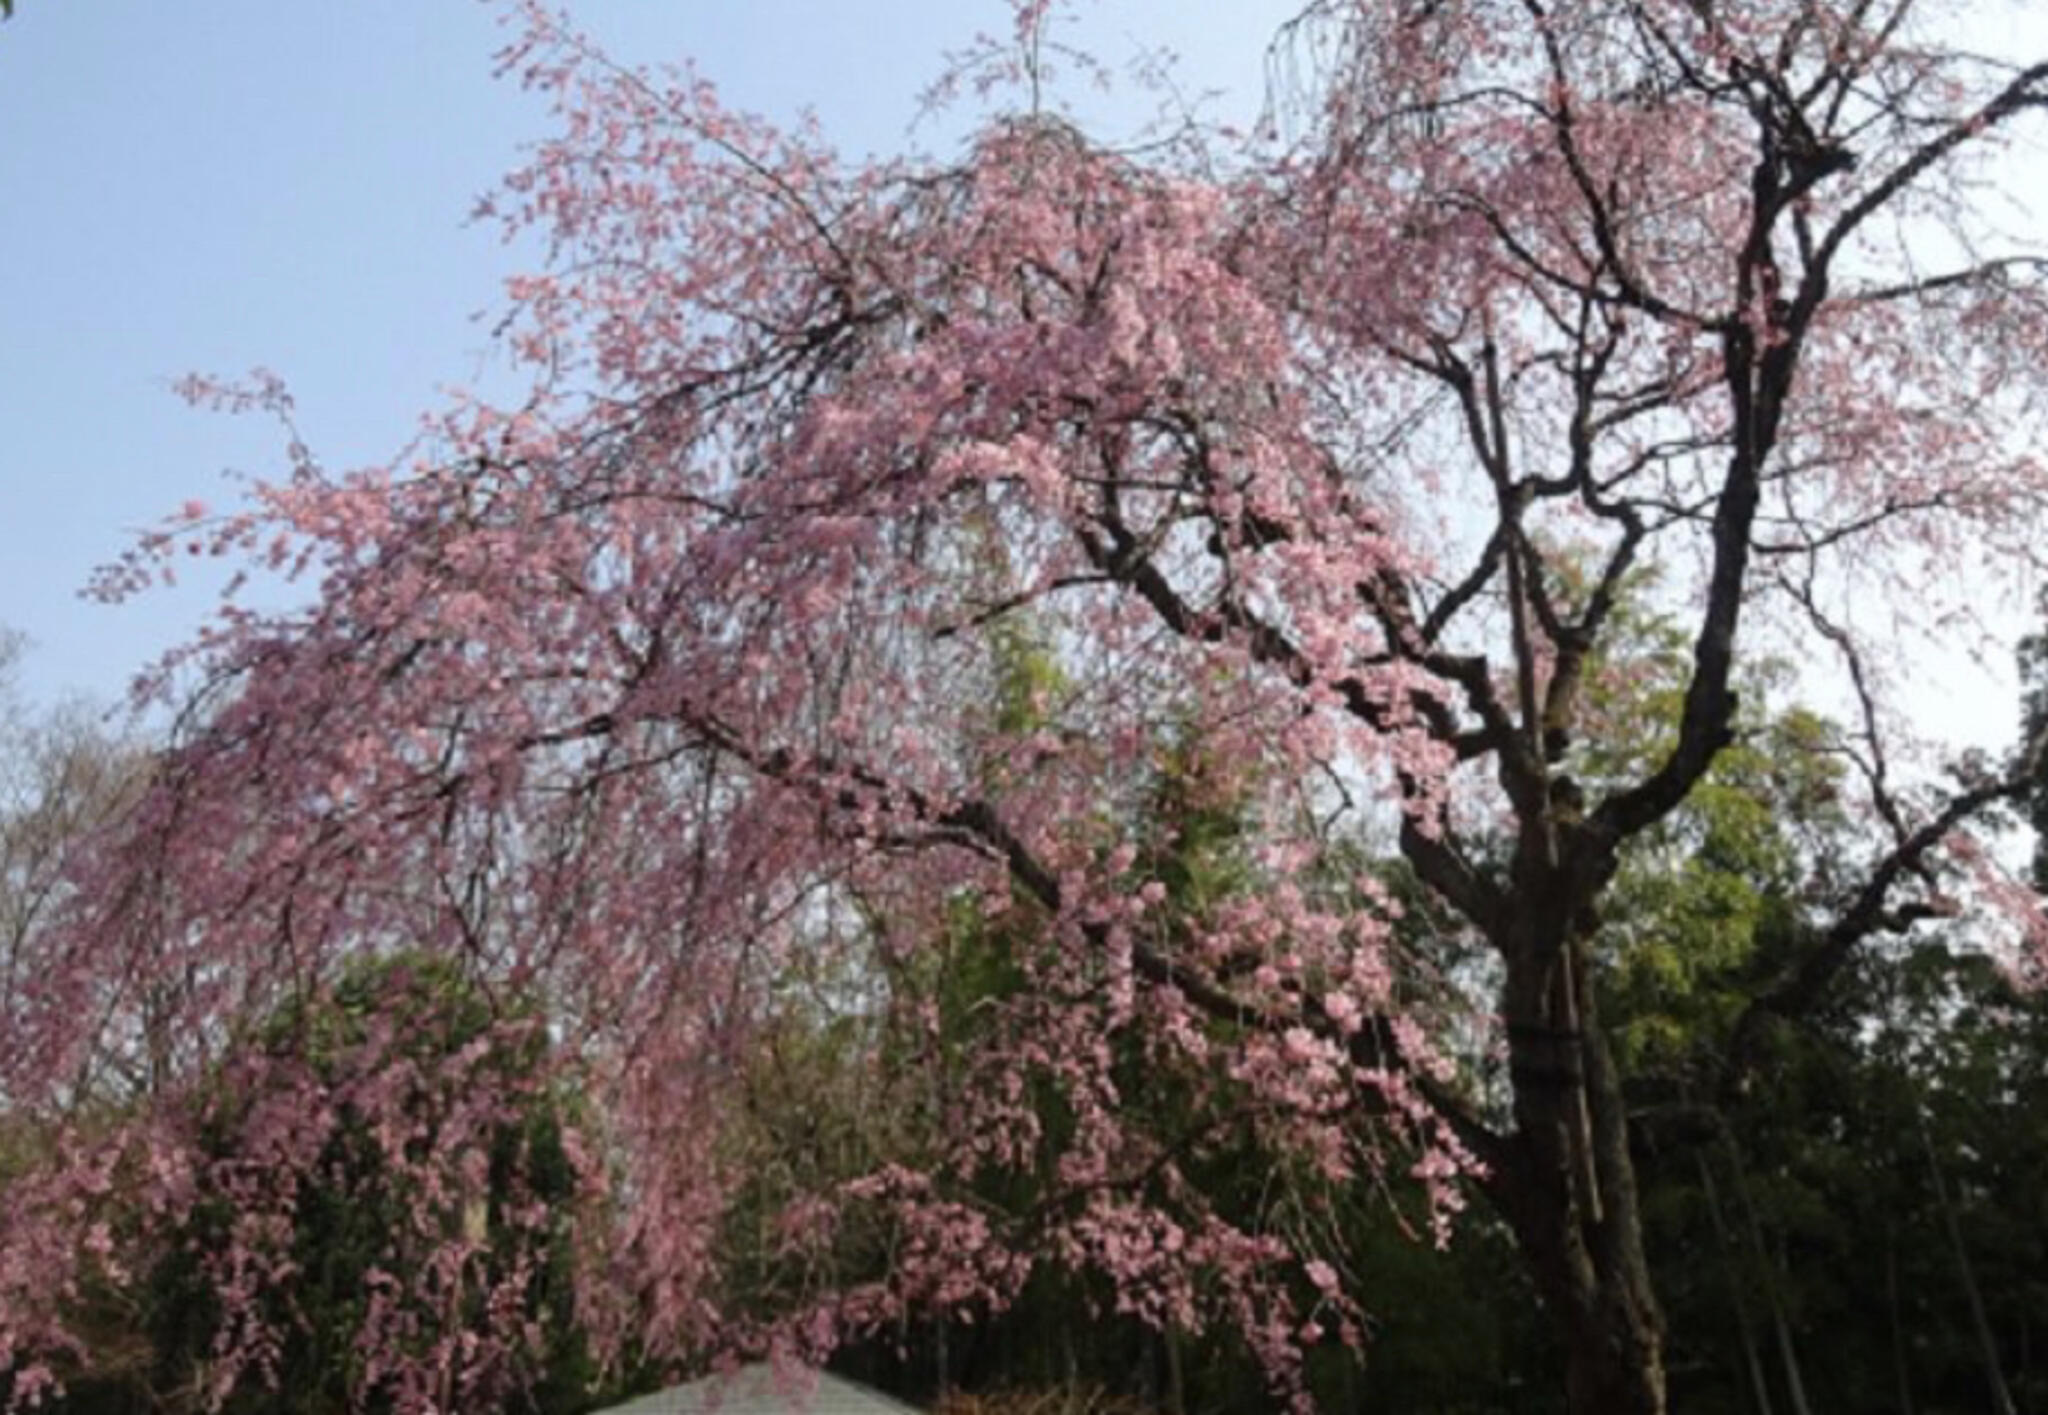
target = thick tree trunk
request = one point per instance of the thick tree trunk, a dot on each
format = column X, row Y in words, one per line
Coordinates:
column 1599, row 1297
column 1568, row 1187
column 1616, row 1367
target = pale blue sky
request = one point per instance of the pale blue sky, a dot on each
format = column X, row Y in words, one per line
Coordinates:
column 218, row 184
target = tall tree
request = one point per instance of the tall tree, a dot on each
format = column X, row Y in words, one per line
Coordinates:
column 629, row 692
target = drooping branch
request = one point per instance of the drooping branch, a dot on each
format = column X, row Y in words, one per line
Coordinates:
column 975, row 824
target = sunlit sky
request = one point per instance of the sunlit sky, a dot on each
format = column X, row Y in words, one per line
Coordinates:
column 216, row 185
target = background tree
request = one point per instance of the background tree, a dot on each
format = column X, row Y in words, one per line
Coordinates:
column 628, row 693
column 62, row 774
column 475, row 1193
column 278, row 1287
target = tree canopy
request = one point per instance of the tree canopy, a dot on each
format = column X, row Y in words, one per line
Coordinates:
column 682, row 694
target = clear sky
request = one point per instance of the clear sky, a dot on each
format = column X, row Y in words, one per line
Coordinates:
column 220, row 184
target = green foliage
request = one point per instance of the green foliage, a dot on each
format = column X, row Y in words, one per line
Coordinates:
column 1824, row 1170
column 1820, row 1157
column 1027, row 675
column 1700, row 897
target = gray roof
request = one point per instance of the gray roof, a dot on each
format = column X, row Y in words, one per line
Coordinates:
column 762, row 1390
